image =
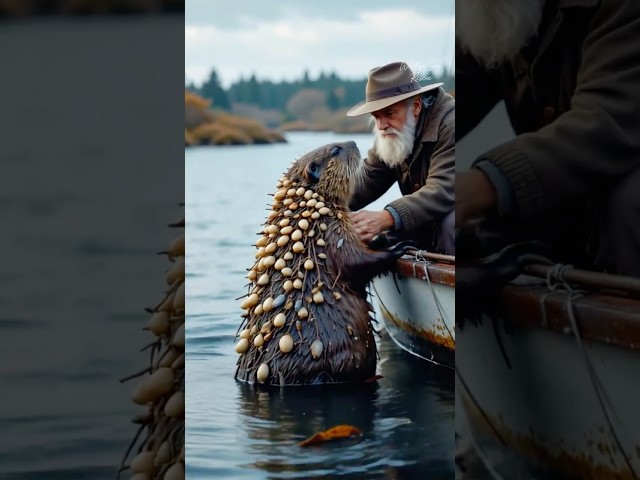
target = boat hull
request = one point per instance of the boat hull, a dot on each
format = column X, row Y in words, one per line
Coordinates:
column 417, row 306
column 527, row 391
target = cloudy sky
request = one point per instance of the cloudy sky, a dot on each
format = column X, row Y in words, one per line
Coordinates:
column 280, row 39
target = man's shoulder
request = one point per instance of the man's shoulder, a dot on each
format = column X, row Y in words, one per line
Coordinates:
column 441, row 114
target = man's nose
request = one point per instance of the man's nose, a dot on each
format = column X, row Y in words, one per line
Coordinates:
column 382, row 123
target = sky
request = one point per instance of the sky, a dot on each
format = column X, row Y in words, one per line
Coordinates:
column 279, row 40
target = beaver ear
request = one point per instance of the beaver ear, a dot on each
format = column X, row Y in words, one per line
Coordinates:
column 313, row 172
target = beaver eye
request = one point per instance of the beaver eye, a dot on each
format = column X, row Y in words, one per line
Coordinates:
column 314, row 171
column 335, row 151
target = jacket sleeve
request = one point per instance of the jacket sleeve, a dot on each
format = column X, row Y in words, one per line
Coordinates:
column 595, row 144
column 379, row 178
column 477, row 91
column 436, row 197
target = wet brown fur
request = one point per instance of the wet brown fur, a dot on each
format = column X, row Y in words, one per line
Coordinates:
column 344, row 324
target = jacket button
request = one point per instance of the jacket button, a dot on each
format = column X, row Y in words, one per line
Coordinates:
column 416, row 187
column 549, row 113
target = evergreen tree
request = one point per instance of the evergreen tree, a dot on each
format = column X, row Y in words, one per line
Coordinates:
column 212, row 89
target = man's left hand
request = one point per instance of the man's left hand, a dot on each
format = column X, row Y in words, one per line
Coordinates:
column 369, row 224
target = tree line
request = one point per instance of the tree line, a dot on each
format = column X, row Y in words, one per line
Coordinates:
column 266, row 94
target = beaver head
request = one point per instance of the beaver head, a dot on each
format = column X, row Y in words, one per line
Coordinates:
column 332, row 171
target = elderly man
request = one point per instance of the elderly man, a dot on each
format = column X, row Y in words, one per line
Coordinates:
column 414, row 145
column 569, row 74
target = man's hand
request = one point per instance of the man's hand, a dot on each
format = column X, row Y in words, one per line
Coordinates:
column 475, row 196
column 369, row 224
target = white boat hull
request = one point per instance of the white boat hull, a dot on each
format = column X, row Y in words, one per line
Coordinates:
column 527, row 393
column 419, row 314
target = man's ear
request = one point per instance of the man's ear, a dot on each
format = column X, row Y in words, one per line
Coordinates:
column 417, row 105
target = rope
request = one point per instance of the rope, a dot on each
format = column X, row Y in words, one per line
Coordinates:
column 556, row 283
column 419, row 256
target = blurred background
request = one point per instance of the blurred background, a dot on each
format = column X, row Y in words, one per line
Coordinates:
column 253, row 71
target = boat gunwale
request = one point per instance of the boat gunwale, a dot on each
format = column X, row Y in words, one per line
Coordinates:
column 440, row 272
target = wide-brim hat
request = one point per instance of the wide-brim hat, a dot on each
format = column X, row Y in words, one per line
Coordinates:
column 387, row 85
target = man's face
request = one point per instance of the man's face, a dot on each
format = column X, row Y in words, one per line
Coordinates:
column 395, row 130
column 392, row 117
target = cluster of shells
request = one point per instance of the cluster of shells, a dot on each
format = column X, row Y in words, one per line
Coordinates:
column 157, row 450
column 290, row 254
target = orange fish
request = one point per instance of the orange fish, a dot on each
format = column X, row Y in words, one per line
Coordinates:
column 339, row 431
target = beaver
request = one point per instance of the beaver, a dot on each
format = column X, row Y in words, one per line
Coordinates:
column 307, row 318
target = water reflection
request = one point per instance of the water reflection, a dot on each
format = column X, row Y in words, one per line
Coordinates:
column 406, row 419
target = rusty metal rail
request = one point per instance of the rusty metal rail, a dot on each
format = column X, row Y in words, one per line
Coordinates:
column 587, row 278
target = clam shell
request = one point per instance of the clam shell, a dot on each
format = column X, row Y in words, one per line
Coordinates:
column 285, row 343
column 286, row 271
column 263, row 373
column 320, row 242
column 312, row 203
column 297, row 235
column 267, row 304
column 298, row 247
column 264, row 279
column 303, row 224
column 286, row 230
column 324, row 211
column 308, row 264
column 316, row 348
column 303, row 313
column 315, row 215
column 242, row 346
column 258, row 341
column 279, row 320
column 297, row 283
column 283, row 240
column 250, row 301
column 288, row 256
column 280, row 264
column 287, row 286
column 318, row 297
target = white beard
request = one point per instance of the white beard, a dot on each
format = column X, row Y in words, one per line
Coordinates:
column 494, row 31
column 393, row 150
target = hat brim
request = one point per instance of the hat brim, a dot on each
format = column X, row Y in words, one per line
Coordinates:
column 367, row 107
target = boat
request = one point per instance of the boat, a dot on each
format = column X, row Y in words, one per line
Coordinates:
column 548, row 376
column 417, row 305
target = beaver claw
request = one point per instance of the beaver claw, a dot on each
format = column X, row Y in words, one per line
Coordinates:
column 400, row 248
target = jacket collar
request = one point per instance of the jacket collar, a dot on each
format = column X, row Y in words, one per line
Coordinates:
column 443, row 104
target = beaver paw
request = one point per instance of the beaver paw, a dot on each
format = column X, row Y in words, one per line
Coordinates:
column 401, row 248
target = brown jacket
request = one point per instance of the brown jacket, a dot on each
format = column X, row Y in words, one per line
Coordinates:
column 573, row 99
column 426, row 179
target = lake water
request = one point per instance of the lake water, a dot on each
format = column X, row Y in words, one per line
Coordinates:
column 236, row 432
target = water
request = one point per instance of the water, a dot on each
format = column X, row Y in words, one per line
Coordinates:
column 236, row 432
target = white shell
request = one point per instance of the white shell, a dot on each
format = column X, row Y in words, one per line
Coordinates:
column 252, row 275
column 268, row 261
column 280, row 194
column 318, row 298
column 308, row 194
column 320, row 242
column 303, row 313
column 264, row 279
column 250, row 301
column 280, row 264
column 258, row 310
column 324, row 211
column 157, row 384
column 263, row 372
column 163, row 455
column 286, row 343
column 301, row 191
column 258, row 341
column 178, row 337
column 319, row 205
column 242, row 346
column 267, row 304
column 315, row 215
column 159, row 323
column 283, row 240
column 272, row 229
column 308, row 264
column 246, row 333
column 288, row 256
column 284, row 222
column 316, row 348
column 287, row 286
column 322, row 255
column 286, row 230
column 297, row 235
column 323, row 226
column 279, row 320
column 298, row 247
column 175, row 472
column 270, row 248
column 291, row 192
column 175, row 405
column 297, row 283
column 286, row 271
column 142, row 463
column 303, row 224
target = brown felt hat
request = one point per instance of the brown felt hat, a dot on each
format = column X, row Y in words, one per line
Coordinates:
column 387, row 85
